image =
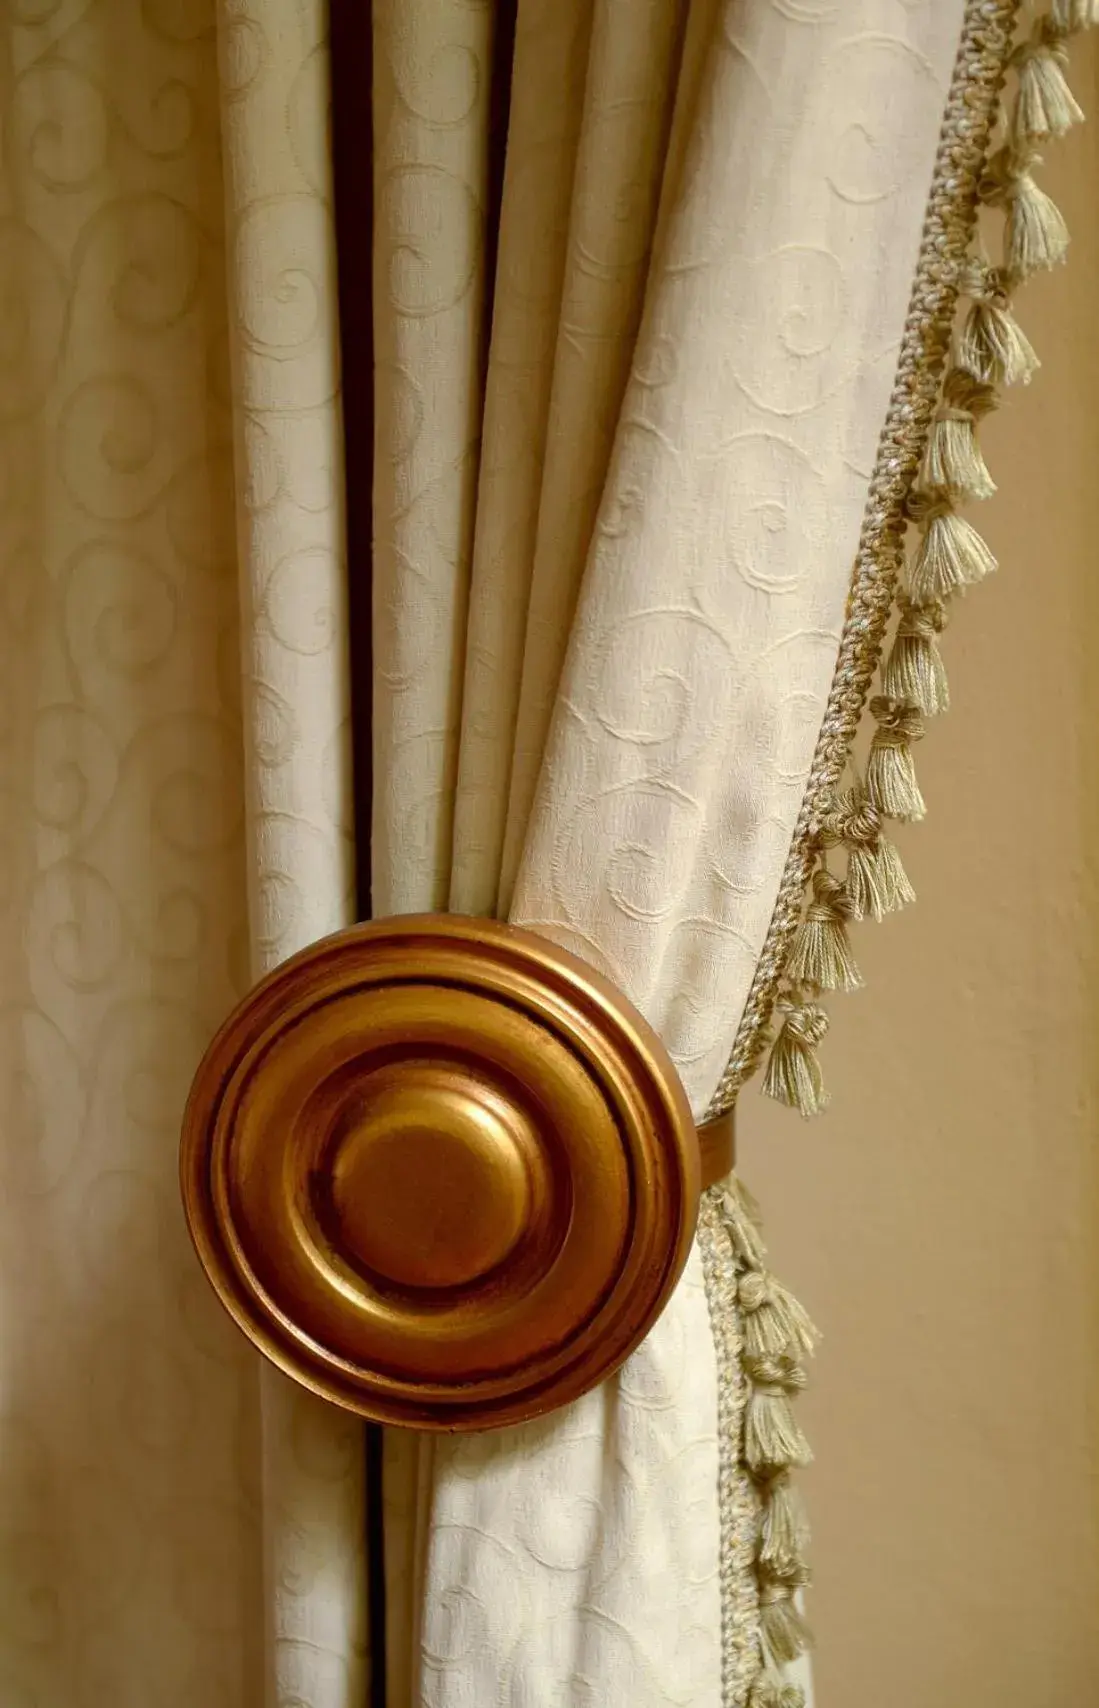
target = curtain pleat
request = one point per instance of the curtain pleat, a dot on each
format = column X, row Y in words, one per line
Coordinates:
column 550, row 53
column 178, row 1526
column 284, row 348
column 628, row 97
column 432, row 112
column 432, row 88
column 129, row 1512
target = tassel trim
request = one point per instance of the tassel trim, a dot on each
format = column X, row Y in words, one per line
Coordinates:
column 990, row 350
column 952, row 462
column 951, row 555
column 1044, row 104
column 915, row 672
column 1035, row 234
column 821, row 954
column 891, row 770
column 776, row 1336
column 875, row 881
column 992, row 346
column 772, row 1691
column 784, row 1631
column 793, row 1073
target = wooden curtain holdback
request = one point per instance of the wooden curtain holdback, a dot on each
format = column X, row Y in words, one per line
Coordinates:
column 443, row 1173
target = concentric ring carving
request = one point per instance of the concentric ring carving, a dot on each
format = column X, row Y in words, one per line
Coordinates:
column 440, row 1171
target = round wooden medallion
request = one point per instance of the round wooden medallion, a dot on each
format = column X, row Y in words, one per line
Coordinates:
column 440, row 1171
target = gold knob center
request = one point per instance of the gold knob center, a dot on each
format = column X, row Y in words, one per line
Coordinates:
column 430, row 1177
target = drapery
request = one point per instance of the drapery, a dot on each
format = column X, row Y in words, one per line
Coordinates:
column 709, row 228
column 178, row 1525
column 582, row 561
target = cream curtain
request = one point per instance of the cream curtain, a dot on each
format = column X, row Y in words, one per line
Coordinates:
column 612, row 551
column 176, row 1527
column 657, row 542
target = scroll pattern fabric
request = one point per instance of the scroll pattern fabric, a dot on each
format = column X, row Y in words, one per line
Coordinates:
column 144, row 1469
column 294, row 645
column 685, row 719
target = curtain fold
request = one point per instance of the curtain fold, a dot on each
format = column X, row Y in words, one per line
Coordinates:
column 432, row 84
column 667, row 511
column 283, row 339
column 623, row 448
column 130, row 1505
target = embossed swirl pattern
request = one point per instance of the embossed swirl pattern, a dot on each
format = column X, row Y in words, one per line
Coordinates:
column 152, row 1497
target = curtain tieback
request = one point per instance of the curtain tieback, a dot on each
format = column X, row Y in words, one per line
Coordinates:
column 442, row 1172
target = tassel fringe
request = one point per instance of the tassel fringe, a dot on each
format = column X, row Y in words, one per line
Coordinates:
column 821, row 954
column 915, row 672
column 772, row 1691
column 952, row 463
column 1044, row 105
column 784, row 1529
column 992, row 347
column 785, row 1633
column 1035, row 235
column 793, row 1072
column 990, row 350
column 776, row 1337
column 951, row 555
column 891, row 770
column 773, row 1319
column 875, row 881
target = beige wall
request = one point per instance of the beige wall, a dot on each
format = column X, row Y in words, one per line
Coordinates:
column 942, row 1221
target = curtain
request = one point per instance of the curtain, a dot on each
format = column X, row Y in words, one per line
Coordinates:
column 709, row 228
column 283, row 339
column 632, row 406
column 177, row 1525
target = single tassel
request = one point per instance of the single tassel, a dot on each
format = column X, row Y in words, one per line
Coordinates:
column 821, row 953
column 1035, row 234
column 875, row 880
column 890, row 769
column 952, row 461
column 1068, row 16
column 774, row 1322
column 772, row 1436
column 1044, row 104
column 914, row 671
column 992, row 345
column 793, row 1072
column 951, row 555
column 739, row 1212
column 771, row 1690
column 782, row 1627
column 784, row 1529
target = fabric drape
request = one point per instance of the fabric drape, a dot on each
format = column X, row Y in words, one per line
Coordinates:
column 177, row 1528
column 129, row 1501
column 283, row 340
column 689, row 371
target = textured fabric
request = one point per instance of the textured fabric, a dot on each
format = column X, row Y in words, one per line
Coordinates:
column 700, row 657
column 705, row 642
column 431, row 117
column 142, row 1464
column 129, row 1560
column 431, row 87
column 283, row 340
